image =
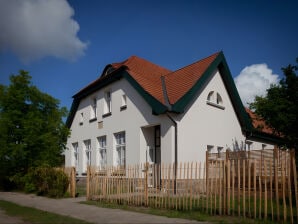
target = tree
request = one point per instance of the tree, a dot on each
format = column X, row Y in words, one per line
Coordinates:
column 31, row 126
column 279, row 108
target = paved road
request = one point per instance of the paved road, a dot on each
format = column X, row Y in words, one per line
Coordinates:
column 93, row 214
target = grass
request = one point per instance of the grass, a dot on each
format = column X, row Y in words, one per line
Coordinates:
column 191, row 215
column 33, row 215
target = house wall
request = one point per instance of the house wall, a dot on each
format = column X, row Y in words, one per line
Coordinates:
column 204, row 126
column 135, row 118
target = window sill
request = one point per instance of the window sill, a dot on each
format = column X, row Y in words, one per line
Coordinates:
column 215, row 105
column 92, row 120
column 124, row 107
column 107, row 115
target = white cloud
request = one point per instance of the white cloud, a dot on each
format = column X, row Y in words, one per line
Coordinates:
column 253, row 81
column 34, row 29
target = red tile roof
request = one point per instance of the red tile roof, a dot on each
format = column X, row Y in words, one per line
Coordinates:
column 180, row 82
column 259, row 123
column 147, row 74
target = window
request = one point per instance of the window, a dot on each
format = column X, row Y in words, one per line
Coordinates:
column 123, row 102
column 75, row 147
column 107, row 104
column 93, row 112
column 248, row 145
column 210, row 96
column 81, row 118
column 215, row 99
column 102, row 146
column 218, row 99
column 120, row 148
column 219, row 151
column 210, row 148
column 88, row 152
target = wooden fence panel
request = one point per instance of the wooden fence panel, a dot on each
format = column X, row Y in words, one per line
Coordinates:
column 256, row 188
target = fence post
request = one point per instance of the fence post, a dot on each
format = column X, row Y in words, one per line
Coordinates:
column 88, row 183
column 207, row 171
column 228, row 164
column 73, row 182
column 275, row 153
column 146, row 183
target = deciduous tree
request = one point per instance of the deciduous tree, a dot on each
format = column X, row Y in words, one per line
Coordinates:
column 32, row 131
column 279, row 108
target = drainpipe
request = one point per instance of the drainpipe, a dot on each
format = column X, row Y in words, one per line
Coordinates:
column 176, row 152
column 164, row 90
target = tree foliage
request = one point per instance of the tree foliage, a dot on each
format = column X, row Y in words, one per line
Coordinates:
column 31, row 126
column 279, row 108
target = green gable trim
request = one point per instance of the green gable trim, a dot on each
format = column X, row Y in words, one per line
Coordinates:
column 243, row 117
column 157, row 106
column 220, row 64
column 181, row 104
column 255, row 134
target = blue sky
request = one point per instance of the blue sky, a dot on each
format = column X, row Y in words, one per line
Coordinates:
column 66, row 44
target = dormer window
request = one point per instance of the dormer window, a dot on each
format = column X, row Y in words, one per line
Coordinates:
column 215, row 99
column 81, row 118
column 123, row 103
column 107, row 104
column 93, row 112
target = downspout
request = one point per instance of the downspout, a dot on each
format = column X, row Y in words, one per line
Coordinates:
column 175, row 127
column 176, row 152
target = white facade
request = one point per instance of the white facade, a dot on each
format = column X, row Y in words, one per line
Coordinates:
column 135, row 119
column 210, row 123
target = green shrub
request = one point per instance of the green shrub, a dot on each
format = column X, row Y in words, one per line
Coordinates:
column 46, row 181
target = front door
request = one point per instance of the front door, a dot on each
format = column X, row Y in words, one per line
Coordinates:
column 157, row 153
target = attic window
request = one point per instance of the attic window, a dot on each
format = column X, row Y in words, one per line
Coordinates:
column 215, row 99
column 109, row 70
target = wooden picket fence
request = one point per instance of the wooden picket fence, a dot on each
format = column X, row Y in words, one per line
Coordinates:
column 254, row 188
column 71, row 173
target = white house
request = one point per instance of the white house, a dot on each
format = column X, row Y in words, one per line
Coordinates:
column 137, row 111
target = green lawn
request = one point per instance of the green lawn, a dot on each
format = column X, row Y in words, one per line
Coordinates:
column 192, row 215
column 33, row 215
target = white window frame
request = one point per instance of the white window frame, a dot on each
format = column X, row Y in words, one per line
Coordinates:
column 123, row 102
column 108, row 102
column 210, row 148
column 81, row 118
column 93, row 108
column 248, row 145
column 120, row 147
column 88, row 152
column 215, row 99
column 75, row 147
column 102, row 150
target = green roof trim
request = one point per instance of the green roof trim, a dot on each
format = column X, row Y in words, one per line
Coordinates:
column 255, row 134
column 157, row 107
column 220, row 64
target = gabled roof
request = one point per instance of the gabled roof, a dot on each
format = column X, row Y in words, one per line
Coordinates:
column 167, row 91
